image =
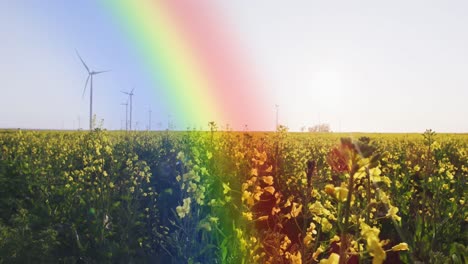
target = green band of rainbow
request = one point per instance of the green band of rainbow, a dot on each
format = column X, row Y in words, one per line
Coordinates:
column 191, row 56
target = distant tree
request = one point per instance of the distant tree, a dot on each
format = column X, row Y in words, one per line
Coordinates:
column 282, row 128
column 320, row 128
column 213, row 126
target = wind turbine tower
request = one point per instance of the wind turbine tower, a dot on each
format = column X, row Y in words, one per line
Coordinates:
column 126, row 115
column 130, row 95
column 149, row 121
column 91, row 73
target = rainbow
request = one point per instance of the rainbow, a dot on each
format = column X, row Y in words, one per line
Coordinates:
column 195, row 62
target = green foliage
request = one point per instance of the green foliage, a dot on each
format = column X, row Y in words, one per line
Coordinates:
column 227, row 197
column 72, row 197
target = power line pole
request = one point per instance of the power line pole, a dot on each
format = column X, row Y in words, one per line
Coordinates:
column 149, row 121
column 168, row 122
column 277, row 110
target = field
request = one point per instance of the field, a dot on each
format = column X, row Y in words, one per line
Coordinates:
column 232, row 197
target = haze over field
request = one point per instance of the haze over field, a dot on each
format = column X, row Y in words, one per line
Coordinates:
column 371, row 66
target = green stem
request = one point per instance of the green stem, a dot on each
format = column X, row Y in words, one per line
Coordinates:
column 347, row 209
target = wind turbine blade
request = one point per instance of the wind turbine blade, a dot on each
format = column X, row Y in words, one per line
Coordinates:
column 86, row 84
column 132, row 90
column 124, row 92
column 82, row 61
column 98, row 72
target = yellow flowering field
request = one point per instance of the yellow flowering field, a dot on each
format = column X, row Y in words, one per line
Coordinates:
column 232, row 197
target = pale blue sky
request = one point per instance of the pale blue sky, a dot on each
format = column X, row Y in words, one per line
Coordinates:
column 385, row 66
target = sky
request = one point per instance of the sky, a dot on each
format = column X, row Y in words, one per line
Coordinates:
column 370, row 66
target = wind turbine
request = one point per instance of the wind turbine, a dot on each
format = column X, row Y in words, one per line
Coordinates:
column 91, row 73
column 130, row 94
column 149, row 121
column 126, row 115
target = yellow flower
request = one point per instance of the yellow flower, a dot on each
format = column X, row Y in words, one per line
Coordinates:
column 285, row 244
column 261, row 157
column 375, row 174
column 374, row 246
column 387, row 181
column 319, row 251
column 333, row 259
column 268, row 180
column 384, row 197
column 226, row 188
column 392, row 213
column 247, row 196
column 180, row 156
column 254, row 172
column 262, row 218
column 317, row 208
column 295, row 209
column 376, row 250
column 258, row 192
column 294, row 258
column 330, row 189
column 270, row 189
column 311, row 229
column 184, row 210
column 341, row 193
column 247, row 215
column 307, row 239
column 401, row 246
column 275, row 210
column 326, row 226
